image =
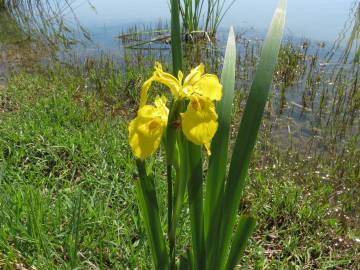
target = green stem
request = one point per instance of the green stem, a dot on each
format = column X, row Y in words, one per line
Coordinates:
column 170, row 146
column 147, row 200
column 171, row 231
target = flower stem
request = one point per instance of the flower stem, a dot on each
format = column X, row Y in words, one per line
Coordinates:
column 171, row 231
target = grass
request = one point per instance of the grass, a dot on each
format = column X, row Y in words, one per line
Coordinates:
column 67, row 192
column 54, row 148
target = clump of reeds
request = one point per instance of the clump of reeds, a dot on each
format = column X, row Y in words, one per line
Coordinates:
column 203, row 16
column 53, row 22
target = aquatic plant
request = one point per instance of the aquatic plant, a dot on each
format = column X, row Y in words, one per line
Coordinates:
column 203, row 16
column 216, row 10
column 191, row 121
column 351, row 35
column 53, row 22
column 2, row 5
column 191, row 12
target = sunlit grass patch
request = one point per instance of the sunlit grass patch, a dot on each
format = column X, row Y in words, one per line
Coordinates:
column 54, row 148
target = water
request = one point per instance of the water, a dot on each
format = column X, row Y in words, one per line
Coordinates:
column 320, row 20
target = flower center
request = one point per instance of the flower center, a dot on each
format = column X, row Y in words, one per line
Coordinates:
column 154, row 124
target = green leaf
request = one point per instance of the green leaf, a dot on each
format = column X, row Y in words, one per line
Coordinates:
column 245, row 228
column 171, row 132
column 248, row 130
column 74, row 235
column 219, row 147
column 181, row 180
column 146, row 195
column 176, row 37
column 195, row 192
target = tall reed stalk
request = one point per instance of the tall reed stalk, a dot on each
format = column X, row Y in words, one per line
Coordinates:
column 349, row 37
column 203, row 15
column 216, row 10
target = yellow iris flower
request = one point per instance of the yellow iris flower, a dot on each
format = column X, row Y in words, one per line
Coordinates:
column 145, row 131
column 198, row 122
column 195, row 84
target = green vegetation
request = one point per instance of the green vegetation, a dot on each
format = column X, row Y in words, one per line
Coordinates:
column 351, row 35
column 51, row 22
column 66, row 179
column 191, row 122
column 59, row 140
column 203, row 16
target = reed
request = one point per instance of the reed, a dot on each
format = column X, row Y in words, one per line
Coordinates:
column 53, row 22
column 350, row 37
column 203, row 15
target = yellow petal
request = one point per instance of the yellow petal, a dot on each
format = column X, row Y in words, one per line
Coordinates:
column 161, row 109
column 180, row 76
column 195, row 75
column 188, row 87
column 144, row 137
column 146, row 130
column 144, row 92
column 199, row 122
column 166, row 79
column 158, row 111
column 209, row 86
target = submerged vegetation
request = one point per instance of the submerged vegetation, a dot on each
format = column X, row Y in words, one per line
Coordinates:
column 67, row 173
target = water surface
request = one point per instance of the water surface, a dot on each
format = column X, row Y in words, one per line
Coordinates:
column 318, row 20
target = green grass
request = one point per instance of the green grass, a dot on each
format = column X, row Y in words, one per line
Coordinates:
column 53, row 148
column 67, row 195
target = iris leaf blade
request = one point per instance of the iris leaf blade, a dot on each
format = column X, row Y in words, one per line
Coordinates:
column 218, row 160
column 245, row 228
column 176, row 49
column 195, row 193
column 248, row 130
column 147, row 201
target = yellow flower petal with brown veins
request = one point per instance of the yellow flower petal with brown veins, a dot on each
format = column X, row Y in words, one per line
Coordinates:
column 146, row 130
column 199, row 122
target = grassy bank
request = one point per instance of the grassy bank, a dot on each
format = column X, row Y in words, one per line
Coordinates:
column 66, row 185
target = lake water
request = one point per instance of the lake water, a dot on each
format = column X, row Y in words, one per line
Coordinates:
column 320, row 20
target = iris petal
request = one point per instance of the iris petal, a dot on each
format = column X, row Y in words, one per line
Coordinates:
column 199, row 122
column 144, row 92
column 166, row 79
column 194, row 75
column 209, row 86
